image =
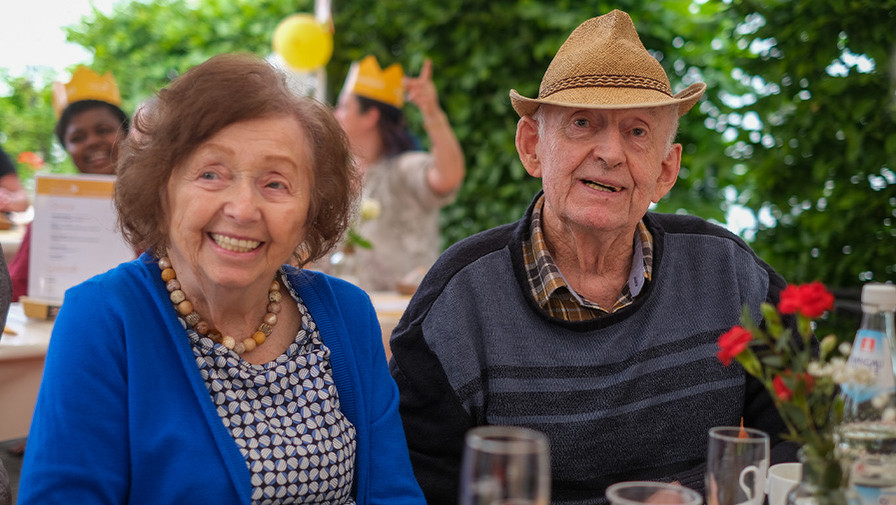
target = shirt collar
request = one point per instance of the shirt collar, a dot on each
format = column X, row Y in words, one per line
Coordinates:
column 545, row 277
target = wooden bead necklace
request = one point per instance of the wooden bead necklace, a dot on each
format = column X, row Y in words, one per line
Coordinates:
column 185, row 308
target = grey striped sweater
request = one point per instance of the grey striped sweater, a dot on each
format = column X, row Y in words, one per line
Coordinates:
column 630, row 396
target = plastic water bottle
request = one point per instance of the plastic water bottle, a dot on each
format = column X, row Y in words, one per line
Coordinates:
column 867, row 436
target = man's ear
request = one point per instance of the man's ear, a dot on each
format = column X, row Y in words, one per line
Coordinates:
column 526, row 145
column 668, row 173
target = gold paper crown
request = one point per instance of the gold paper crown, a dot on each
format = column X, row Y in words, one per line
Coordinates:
column 85, row 85
column 367, row 79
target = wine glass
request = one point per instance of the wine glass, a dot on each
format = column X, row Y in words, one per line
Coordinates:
column 505, row 465
column 736, row 466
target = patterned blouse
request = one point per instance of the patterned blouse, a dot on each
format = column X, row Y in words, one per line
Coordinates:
column 284, row 416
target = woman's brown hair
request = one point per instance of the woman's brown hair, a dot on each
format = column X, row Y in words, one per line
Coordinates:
column 224, row 90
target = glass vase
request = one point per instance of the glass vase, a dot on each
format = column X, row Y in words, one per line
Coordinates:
column 825, row 481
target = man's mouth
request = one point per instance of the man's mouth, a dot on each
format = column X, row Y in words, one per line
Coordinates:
column 601, row 187
column 234, row 244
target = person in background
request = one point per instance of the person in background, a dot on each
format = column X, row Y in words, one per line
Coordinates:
column 211, row 370
column 13, row 197
column 406, row 185
column 5, row 299
column 90, row 128
column 590, row 319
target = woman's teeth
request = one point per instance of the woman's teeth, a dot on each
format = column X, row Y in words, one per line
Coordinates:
column 234, row 244
column 601, row 187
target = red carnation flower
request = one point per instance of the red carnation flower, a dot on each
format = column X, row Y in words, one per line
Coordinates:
column 783, row 392
column 781, row 389
column 811, row 300
column 732, row 343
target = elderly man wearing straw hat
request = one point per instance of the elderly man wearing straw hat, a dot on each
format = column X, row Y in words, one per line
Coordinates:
column 590, row 319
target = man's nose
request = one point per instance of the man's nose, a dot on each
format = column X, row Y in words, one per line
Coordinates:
column 608, row 147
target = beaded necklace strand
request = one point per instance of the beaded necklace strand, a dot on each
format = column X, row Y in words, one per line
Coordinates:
column 185, row 308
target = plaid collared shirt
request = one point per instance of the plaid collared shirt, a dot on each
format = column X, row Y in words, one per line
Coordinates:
column 555, row 296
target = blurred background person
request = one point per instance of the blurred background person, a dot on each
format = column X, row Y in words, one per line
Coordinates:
column 13, row 197
column 403, row 185
column 208, row 370
column 90, row 127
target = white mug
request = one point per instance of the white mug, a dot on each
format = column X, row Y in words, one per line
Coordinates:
column 782, row 478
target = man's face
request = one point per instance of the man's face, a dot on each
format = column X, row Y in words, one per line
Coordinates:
column 600, row 169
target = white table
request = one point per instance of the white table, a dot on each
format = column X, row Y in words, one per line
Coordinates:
column 21, row 368
column 389, row 307
column 10, row 240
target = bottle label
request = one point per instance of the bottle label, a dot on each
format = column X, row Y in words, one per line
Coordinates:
column 875, row 494
column 871, row 350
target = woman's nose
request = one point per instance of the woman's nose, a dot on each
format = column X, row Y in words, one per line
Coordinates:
column 242, row 204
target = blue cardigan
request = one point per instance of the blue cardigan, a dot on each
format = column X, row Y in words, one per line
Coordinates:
column 123, row 415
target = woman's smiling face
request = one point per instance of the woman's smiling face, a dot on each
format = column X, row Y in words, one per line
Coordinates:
column 237, row 206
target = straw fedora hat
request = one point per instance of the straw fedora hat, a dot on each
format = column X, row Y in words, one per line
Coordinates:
column 604, row 65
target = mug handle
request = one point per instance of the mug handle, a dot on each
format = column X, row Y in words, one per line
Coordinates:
column 750, row 491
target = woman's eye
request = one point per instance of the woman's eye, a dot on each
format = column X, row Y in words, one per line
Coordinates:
column 208, row 175
column 276, row 185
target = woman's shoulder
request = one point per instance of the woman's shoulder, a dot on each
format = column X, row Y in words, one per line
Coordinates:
column 410, row 160
column 325, row 287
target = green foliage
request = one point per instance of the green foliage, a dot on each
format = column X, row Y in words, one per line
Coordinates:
column 821, row 163
column 26, row 124
column 787, row 138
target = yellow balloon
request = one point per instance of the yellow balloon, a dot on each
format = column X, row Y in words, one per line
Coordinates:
column 303, row 42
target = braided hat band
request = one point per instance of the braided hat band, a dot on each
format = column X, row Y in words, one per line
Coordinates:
column 604, row 65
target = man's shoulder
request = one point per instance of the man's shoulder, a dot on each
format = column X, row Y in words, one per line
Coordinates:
column 670, row 224
column 683, row 223
column 461, row 256
column 478, row 245
column 663, row 226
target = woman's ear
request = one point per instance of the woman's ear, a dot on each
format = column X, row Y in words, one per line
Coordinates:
column 370, row 117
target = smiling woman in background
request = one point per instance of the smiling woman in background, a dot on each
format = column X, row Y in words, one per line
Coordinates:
column 90, row 128
column 209, row 370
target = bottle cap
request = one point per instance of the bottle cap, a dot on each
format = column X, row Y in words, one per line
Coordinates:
column 879, row 297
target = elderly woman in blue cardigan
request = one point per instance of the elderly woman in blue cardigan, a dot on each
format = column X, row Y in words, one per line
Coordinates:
column 210, row 370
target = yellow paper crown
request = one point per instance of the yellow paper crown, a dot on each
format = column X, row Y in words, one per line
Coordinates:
column 85, row 85
column 367, row 79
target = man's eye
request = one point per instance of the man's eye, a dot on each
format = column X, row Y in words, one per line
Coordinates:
column 639, row 132
column 581, row 122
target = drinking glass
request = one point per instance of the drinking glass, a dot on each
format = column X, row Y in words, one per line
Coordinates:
column 736, row 466
column 643, row 493
column 505, row 465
